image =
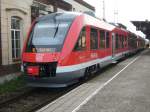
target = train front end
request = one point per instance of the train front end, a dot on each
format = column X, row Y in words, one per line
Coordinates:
column 42, row 51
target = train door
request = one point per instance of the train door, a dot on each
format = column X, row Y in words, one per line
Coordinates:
column 113, row 45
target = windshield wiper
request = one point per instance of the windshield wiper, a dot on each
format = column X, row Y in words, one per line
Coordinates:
column 56, row 30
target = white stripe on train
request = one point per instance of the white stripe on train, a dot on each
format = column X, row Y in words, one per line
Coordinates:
column 76, row 67
column 102, row 61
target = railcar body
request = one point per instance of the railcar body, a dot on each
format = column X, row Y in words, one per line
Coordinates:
column 63, row 47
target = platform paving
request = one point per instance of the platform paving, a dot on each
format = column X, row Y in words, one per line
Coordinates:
column 124, row 87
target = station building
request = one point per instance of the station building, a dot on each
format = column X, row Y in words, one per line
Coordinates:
column 16, row 17
column 143, row 26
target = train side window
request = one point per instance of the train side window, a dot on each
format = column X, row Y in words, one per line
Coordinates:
column 94, row 39
column 81, row 43
column 129, row 40
column 102, row 39
column 117, row 41
column 122, row 41
column 107, row 39
column 125, row 41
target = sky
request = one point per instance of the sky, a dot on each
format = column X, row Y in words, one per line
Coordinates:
column 128, row 10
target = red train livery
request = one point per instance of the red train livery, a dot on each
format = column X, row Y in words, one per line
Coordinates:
column 63, row 47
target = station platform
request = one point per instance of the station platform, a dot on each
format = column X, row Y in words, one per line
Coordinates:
column 124, row 87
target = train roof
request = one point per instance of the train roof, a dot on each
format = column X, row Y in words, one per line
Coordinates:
column 89, row 20
column 98, row 23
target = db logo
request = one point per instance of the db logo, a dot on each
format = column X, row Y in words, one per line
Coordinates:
column 94, row 55
column 39, row 57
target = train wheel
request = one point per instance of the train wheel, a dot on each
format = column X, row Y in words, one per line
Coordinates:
column 86, row 75
column 90, row 71
column 98, row 68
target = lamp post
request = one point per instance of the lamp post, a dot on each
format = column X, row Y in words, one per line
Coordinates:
column 104, row 18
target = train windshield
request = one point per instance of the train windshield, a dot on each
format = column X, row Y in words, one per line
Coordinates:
column 48, row 35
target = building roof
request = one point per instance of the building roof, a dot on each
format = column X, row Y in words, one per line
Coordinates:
column 144, row 26
column 85, row 4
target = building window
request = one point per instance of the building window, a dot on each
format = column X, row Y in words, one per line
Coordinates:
column 15, row 37
column 34, row 12
column 94, row 39
column 81, row 43
column 102, row 39
column 73, row 9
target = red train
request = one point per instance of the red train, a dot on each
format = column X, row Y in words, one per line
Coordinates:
column 63, row 47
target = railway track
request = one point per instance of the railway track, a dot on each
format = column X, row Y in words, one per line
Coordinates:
column 13, row 96
column 32, row 99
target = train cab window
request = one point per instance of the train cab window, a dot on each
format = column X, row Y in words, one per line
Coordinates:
column 81, row 43
column 117, row 41
column 107, row 39
column 94, row 39
column 102, row 39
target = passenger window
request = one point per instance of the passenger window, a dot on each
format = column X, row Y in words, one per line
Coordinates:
column 94, row 39
column 125, row 43
column 117, row 41
column 81, row 43
column 107, row 39
column 122, row 41
column 102, row 39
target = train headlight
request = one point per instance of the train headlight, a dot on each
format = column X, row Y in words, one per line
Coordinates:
column 33, row 70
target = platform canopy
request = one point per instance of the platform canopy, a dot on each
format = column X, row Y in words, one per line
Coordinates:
column 141, row 34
